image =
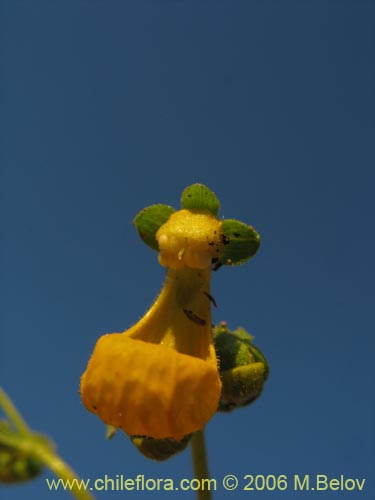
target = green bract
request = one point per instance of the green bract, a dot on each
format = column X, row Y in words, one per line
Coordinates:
column 243, row 368
column 149, row 220
column 236, row 348
column 199, row 197
column 241, row 240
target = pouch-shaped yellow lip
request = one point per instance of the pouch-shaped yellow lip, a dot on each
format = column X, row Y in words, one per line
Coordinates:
column 149, row 389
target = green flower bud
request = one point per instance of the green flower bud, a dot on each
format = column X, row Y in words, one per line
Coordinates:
column 16, row 467
column 159, row 449
column 243, row 368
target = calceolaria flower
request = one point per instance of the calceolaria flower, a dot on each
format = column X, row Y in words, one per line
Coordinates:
column 159, row 379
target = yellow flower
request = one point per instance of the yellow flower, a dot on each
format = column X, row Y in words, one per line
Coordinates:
column 160, row 378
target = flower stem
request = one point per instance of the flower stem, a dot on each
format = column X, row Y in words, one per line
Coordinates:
column 63, row 471
column 13, row 414
column 200, row 463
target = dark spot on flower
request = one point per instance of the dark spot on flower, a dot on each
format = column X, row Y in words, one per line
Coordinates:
column 211, row 298
column 194, row 318
column 216, row 264
column 237, row 235
column 224, row 239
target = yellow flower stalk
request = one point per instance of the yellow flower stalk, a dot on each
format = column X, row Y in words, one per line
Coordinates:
column 160, row 378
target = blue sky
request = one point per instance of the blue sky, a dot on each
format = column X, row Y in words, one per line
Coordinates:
column 108, row 107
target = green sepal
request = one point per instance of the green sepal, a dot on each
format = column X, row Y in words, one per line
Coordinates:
column 200, row 197
column 231, row 350
column 159, row 449
column 242, row 366
column 241, row 386
column 148, row 221
column 242, row 242
column 235, row 348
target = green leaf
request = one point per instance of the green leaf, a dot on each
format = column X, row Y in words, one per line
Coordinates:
column 200, row 197
column 242, row 242
column 149, row 220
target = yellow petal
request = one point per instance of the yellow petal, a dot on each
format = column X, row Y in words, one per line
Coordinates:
column 149, row 389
